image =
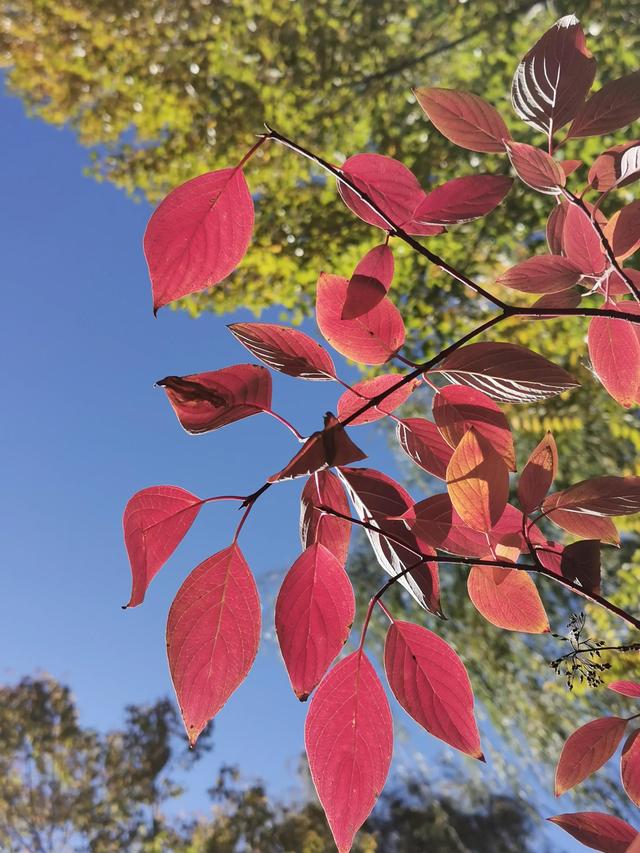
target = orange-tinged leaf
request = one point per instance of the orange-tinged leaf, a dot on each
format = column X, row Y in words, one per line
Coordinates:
column 630, row 767
column 586, row 750
column 465, row 119
column 431, row 683
column 349, row 741
column 507, row 598
column 213, row 633
column 326, row 448
column 597, row 830
column 616, row 167
column 314, row 613
column 477, row 482
column 625, row 238
column 285, row 349
column 538, row 474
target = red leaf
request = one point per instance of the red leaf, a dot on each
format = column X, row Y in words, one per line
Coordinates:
column 614, row 285
column 536, row 168
column 626, row 231
column 553, row 79
column 541, row 274
column 284, row 349
column 421, row 441
column 565, row 299
column 213, row 633
column 630, row 767
column 586, row 750
column 371, row 338
column 208, row 401
column 507, row 598
column 614, row 350
column 323, row 449
column 581, row 242
column 555, row 227
column 505, row 372
column 569, row 166
column 198, row 234
column 478, row 482
column 611, row 108
column 349, row 741
column 599, row 831
column 626, row 688
column 369, row 283
column 431, row 683
column 376, row 498
column 463, row 199
column 586, row 525
column 538, row 474
column 314, row 613
column 456, row 409
column 616, row 167
column 355, row 399
column 465, row 119
column 324, row 489
column 598, row 496
column 155, row 521
column 391, row 186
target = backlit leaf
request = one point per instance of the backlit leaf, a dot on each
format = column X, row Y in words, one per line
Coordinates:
column 598, row 496
column 369, row 283
column 349, row 741
column 586, row 750
column 463, row 199
column 198, row 234
column 586, row 525
column 285, row 349
column 626, row 688
column 614, row 350
column 431, row 683
column 352, row 401
column 314, row 613
column 323, row 449
column 208, row 401
column 465, row 119
column 612, row 107
column 555, row 227
column 505, row 372
column 630, row 767
column 324, row 489
column 581, row 242
column 541, row 274
column 538, row 474
column 422, row 442
column 477, row 482
column 626, row 232
column 371, row 338
column 597, row 830
column 213, row 632
column 552, row 80
column 155, row 521
column 616, row 167
column 507, row 598
column 536, row 168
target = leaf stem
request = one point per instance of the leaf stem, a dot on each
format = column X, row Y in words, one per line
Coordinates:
column 286, row 423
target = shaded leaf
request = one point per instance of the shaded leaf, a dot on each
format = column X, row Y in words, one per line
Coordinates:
column 422, row 442
column 285, row 349
column 431, row 683
column 213, row 633
column 536, row 168
column 465, row 119
column 198, row 234
column 349, row 741
column 463, row 199
column 626, row 231
column 538, row 474
column 598, row 496
column 477, row 482
column 581, row 242
column 555, row 227
column 612, row 107
column 597, row 830
column 324, row 489
column 323, row 449
column 314, row 612
column 586, row 750
column 352, row 401
column 616, row 167
column 369, row 283
column 508, row 598
column 564, row 299
column 541, row 274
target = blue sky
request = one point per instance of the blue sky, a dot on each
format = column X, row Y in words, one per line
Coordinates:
column 84, row 429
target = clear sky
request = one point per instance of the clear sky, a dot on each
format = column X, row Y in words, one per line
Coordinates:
column 84, row 428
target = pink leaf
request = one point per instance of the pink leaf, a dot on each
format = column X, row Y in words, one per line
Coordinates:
column 626, row 688
column 213, row 632
column 477, row 482
column 505, row 372
column 581, row 242
column 585, row 525
column 570, row 298
column 586, row 750
column 198, row 234
column 421, row 441
column 616, row 167
column 323, row 449
column 597, row 830
column 614, row 350
column 391, row 186
column 463, row 199
column 538, row 474
column 352, row 401
column 615, row 285
column 611, row 108
column 456, row 409
column 552, row 81
column 314, row 613
column 155, row 521
column 465, row 119
column 349, row 741
column 371, row 338
column 555, row 227
column 430, row 682
column 208, row 401
column 324, row 489
column 541, row 274
column 630, row 767
column 507, row 598
column 286, row 350
column 369, row 283
column 376, row 498
column 536, row 168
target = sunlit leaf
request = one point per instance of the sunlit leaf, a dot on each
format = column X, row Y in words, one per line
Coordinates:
column 477, row 482
column 507, row 598
column 285, row 349
column 586, row 750
column 465, row 119
column 324, row 489
column 597, row 830
column 352, row 401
